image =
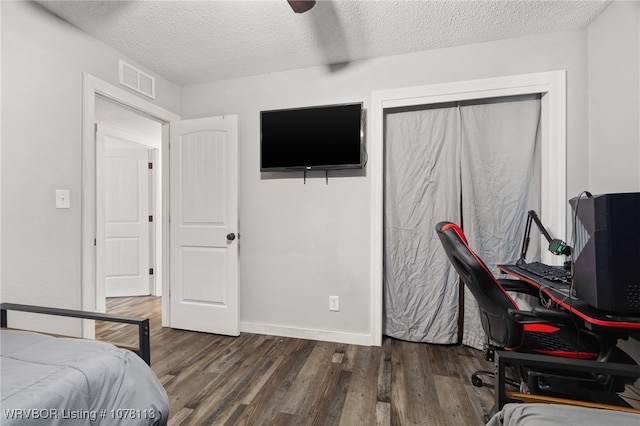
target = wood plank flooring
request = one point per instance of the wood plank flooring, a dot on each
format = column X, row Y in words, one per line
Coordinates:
column 269, row 380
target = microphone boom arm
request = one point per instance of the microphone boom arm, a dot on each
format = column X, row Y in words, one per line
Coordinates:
column 556, row 246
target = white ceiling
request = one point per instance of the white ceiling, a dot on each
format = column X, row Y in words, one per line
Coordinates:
column 201, row 41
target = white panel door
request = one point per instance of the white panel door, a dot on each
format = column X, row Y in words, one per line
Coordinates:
column 123, row 237
column 204, row 225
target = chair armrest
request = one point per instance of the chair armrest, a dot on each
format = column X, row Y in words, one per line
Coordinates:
column 518, row 286
column 525, row 317
column 553, row 315
column 541, row 315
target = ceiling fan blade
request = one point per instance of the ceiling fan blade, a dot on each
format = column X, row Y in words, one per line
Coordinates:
column 301, row 6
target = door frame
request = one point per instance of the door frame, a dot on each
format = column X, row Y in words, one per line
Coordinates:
column 552, row 86
column 91, row 87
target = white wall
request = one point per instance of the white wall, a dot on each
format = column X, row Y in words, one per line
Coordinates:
column 43, row 59
column 614, row 99
column 302, row 243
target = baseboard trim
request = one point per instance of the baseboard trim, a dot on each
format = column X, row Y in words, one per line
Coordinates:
column 310, row 334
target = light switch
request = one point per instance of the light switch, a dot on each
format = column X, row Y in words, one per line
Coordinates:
column 62, row 199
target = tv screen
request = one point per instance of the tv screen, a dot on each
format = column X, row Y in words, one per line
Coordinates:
column 311, row 138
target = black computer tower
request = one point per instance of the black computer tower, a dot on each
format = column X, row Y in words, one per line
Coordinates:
column 606, row 251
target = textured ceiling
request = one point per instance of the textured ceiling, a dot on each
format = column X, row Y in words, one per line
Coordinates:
column 200, row 41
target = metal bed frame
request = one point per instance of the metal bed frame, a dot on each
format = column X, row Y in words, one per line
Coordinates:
column 143, row 350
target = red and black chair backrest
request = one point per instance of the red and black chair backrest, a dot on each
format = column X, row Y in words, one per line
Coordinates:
column 493, row 301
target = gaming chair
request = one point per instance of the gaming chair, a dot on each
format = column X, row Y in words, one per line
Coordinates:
column 541, row 330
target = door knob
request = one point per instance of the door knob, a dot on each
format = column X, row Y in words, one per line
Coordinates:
column 231, row 236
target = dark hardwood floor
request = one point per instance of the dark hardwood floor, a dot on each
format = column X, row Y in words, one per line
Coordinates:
column 269, row 380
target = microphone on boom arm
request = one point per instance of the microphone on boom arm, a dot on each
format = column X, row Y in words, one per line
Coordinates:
column 556, row 246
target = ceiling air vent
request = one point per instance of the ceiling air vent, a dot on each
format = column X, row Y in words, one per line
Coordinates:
column 135, row 79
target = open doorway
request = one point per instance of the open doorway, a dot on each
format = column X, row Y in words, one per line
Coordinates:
column 96, row 91
column 128, row 154
column 128, row 145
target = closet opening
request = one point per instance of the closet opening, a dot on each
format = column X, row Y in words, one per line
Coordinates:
column 475, row 163
column 551, row 87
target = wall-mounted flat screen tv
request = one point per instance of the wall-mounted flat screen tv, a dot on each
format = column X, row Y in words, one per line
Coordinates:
column 312, row 138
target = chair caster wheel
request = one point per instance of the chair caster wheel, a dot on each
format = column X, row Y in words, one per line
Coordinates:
column 476, row 381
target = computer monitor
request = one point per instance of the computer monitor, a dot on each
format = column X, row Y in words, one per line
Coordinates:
column 606, row 251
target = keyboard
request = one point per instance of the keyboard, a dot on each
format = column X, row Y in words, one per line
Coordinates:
column 551, row 273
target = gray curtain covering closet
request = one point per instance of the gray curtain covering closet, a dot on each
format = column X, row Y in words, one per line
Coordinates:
column 474, row 163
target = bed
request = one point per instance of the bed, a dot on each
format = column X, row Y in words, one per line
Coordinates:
column 67, row 381
column 556, row 414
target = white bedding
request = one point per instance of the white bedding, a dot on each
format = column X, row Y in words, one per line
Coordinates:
column 62, row 381
column 565, row 415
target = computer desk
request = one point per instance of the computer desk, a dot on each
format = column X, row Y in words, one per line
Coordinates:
column 594, row 318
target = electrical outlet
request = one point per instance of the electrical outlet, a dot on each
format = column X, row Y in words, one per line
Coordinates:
column 334, row 303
